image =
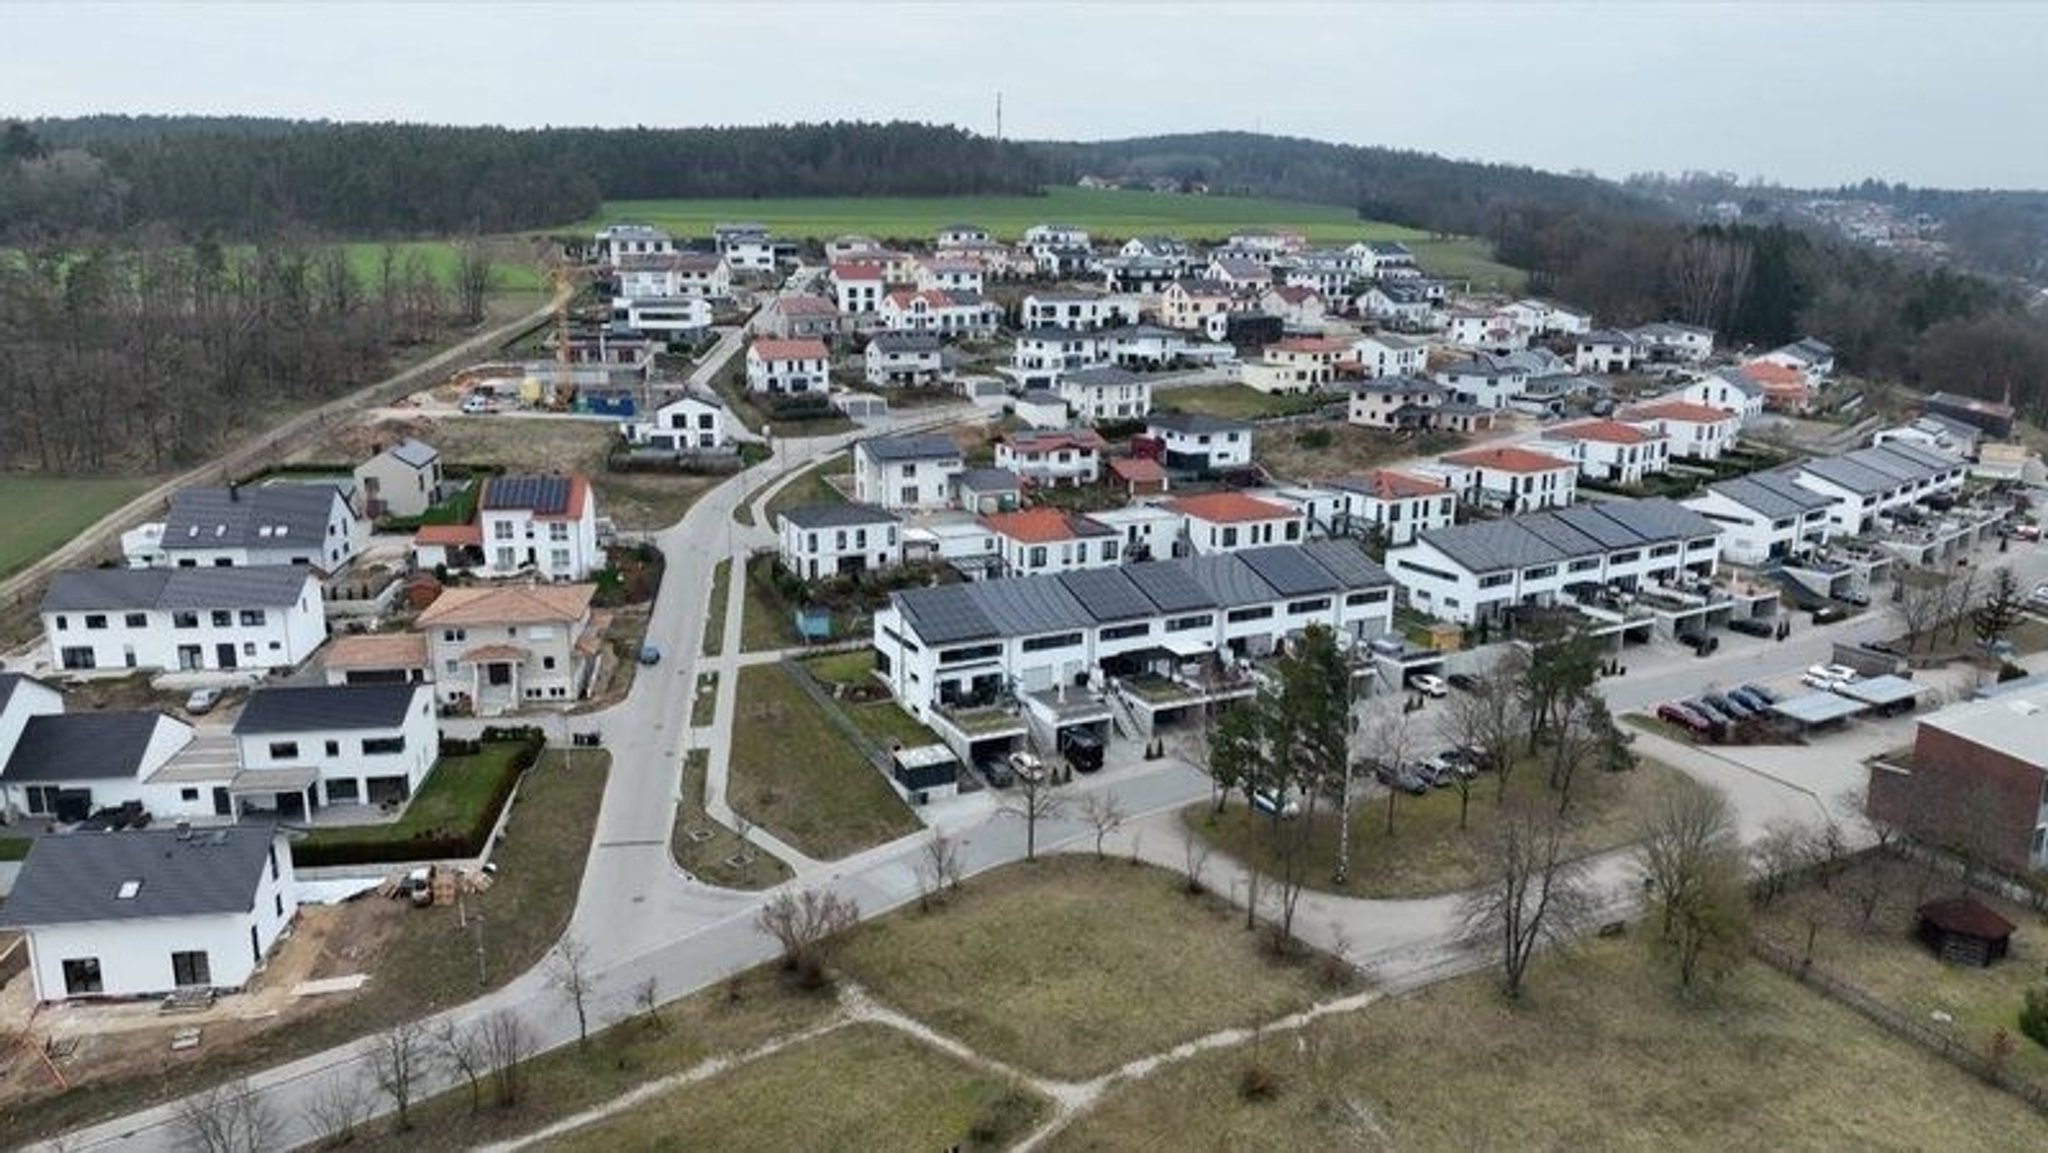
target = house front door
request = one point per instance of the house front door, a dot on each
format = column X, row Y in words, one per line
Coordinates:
column 225, row 655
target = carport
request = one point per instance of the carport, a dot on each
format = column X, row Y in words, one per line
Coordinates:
column 1887, row 696
column 1815, row 711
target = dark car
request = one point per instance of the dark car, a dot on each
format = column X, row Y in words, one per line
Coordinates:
column 1828, row 614
column 1683, row 717
column 1748, row 700
column 1735, row 709
column 1705, row 708
column 1082, row 748
column 1465, row 682
column 1751, row 627
column 1856, row 597
column 1766, row 695
column 1400, row 777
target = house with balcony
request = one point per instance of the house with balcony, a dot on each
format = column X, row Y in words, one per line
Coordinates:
column 903, row 360
column 1870, row 482
column 1105, row 393
column 955, row 313
column 617, row 242
column 792, row 367
column 1696, row 431
column 1485, row 380
column 229, row 619
column 821, row 541
column 1382, row 355
column 500, row 648
column 1078, row 311
column 1605, row 350
column 1668, row 342
column 1230, row 521
column 1395, row 506
column 1053, row 459
column 1765, row 517
column 544, row 526
column 913, row 471
column 1515, row 480
column 307, row 747
column 1033, row 541
column 1296, row 365
column 1197, row 442
column 1192, row 304
column 1610, row 452
column 675, row 275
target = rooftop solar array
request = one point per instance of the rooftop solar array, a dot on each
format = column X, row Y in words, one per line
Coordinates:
column 1565, row 534
column 545, row 495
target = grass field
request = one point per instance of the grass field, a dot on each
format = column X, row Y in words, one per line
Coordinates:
column 1427, row 853
column 765, row 621
column 1335, row 448
column 45, row 511
column 861, row 1087
column 447, row 803
column 714, row 614
column 1071, row 966
column 1236, row 401
column 813, row 486
column 710, row 851
column 1601, row 1055
column 800, row 778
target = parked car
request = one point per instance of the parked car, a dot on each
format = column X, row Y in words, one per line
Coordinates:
column 1477, row 758
column 419, row 886
column 1026, row 767
column 1751, row 626
column 1400, row 777
column 1465, row 682
column 1729, row 705
column 1700, row 643
column 1748, row 700
column 1835, row 672
column 202, row 701
column 476, row 404
column 996, row 772
column 1453, row 762
column 1705, row 708
column 1082, row 748
column 1768, row 696
column 1856, row 597
column 1683, row 717
column 1828, row 614
column 1428, row 684
column 650, row 653
column 1275, row 805
column 1814, row 679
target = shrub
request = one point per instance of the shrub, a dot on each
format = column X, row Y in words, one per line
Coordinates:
column 1257, row 1083
column 1314, row 439
column 1002, row 1118
column 2034, row 1015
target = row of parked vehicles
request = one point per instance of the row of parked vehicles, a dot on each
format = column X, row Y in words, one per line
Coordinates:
column 1713, row 714
column 1437, row 771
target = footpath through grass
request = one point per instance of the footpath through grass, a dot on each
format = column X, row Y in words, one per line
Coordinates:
column 45, row 511
column 1601, row 1054
column 1427, row 854
column 710, row 851
column 1072, row 966
column 801, row 778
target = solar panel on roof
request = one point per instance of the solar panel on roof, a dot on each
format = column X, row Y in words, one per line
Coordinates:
column 546, row 495
column 1288, row 570
column 1107, row 594
column 1167, row 586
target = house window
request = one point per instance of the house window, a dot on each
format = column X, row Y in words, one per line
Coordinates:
column 248, row 648
column 82, row 976
column 95, row 620
column 284, row 750
column 184, row 620
column 252, row 617
column 342, row 792
column 62, row 624
column 222, row 618
column 80, row 657
column 558, row 531
column 383, row 746
column 334, row 748
column 454, row 635
column 188, row 794
column 501, row 530
column 136, row 620
column 561, row 559
column 908, row 494
column 190, row 969
column 547, row 662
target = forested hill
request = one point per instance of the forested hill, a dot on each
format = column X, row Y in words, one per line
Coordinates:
column 244, row 178
column 1413, row 188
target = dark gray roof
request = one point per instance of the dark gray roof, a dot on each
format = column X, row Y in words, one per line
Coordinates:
column 1227, row 578
column 1027, row 606
column 1740, row 381
column 76, row 878
column 1582, row 530
column 81, row 747
column 945, row 614
column 1169, row 586
column 1040, row 396
column 1106, row 374
column 1289, row 571
column 1403, row 386
column 1067, row 297
column 904, row 342
column 116, row 589
column 1053, row 332
column 249, row 516
column 1869, row 471
column 1194, row 422
column 1346, row 560
column 1607, row 336
column 545, row 495
column 310, row 708
column 1771, row 494
column 909, row 448
column 1107, row 594
column 416, row 453
column 988, row 479
column 836, row 514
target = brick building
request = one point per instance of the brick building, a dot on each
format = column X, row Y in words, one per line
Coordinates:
column 1977, row 780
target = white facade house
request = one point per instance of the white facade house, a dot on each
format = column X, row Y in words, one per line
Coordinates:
column 900, row 359
column 1473, row 572
column 1397, row 506
column 499, row 648
column 1696, row 431
column 906, row 472
column 619, row 242
column 403, row 480
column 950, row 273
column 962, row 236
column 1813, row 358
column 788, row 366
column 1493, row 330
column 1667, row 342
column 858, row 287
column 65, row 766
column 1605, row 350
column 303, row 747
column 1402, row 305
column 1609, row 451
column 691, row 422
column 1295, row 365
column 1052, row 459
column 1485, row 380
column 544, row 526
column 1300, row 305
column 1041, row 355
column 1549, row 319
column 1200, row 443
column 1037, row 638
column 745, row 247
column 1383, row 354
column 1040, row 236
column 1515, row 480
column 665, row 318
column 1149, row 531
column 1036, row 541
column 695, row 275
column 148, row 912
column 957, row 313
column 1230, row 521
column 1727, row 390
column 1192, row 304
column 1764, row 517
column 183, row 620
column 822, row 541
column 1080, row 311
column 1870, row 481
column 271, row 524
column 1105, row 393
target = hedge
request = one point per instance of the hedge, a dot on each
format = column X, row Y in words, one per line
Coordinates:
column 437, row 844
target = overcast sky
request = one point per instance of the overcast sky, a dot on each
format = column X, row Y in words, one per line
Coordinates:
column 1945, row 94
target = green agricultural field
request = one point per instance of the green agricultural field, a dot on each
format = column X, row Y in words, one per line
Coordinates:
column 45, row 511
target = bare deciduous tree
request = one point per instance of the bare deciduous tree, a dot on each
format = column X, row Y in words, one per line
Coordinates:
column 337, row 1107
column 228, row 1118
column 647, row 1002
column 1105, row 814
column 460, row 1047
column 507, row 1043
column 398, row 1058
column 1490, row 719
column 1392, row 741
column 1784, row 848
column 1034, row 800
column 938, row 869
column 1693, row 859
column 1195, row 853
column 1529, row 894
column 569, row 972
column 805, row 924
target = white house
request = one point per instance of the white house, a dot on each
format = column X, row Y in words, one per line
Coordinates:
column 1239, row 275
column 956, row 313
column 1610, row 451
column 143, row 913
column 1042, row 236
column 1298, row 364
column 1382, row 354
column 1605, row 350
column 1300, row 305
column 497, row 648
column 1870, row 481
column 403, row 480
column 65, row 766
column 183, row 620
column 1667, row 342
column 1549, row 319
column 1397, row 505
column 858, row 287
column 1189, row 304
column 692, row 421
column 1764, row 517
column 1814, row 358
column 897, row 359
column 304, row 747
column 1405, row 305
column 666, row 318
column 1149, row 531
column 745, row 247
column 1041, row 355
column 1493, row 330
column 1395, row 402
column 1200, row 443
column 906, row 472
column 619, row 242
column 269, row 524
column 788, row 366
column 1728, row 390
column 1229, row 521
column 540, row 525
column 1473, row 572
column 962, row 236
column 950, row 273
column 797, row 315
column 1050, row 540
column 1696, row 431
column 1516, row 480
column 1105, row 393
column 1485, row 380
column 1081, row 311
column 1936, row 432
column 821, row 541
column 1052, row 459
column 696, row 275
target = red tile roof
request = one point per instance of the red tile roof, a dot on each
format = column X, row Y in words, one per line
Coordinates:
column 1610, row 431
column 1311, row 344
column 856, row 270
column 1228, row 508
column 1682, row 410
column 1085, row 439
column 1138, row 470
column 1386, row 484
column 790, row 349
column 1770, row 372
column 1036, row 525
column 449, row 534
column 1509, row 459
column 804, row 304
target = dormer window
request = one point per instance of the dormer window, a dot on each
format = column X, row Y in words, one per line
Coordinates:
column 128, row 890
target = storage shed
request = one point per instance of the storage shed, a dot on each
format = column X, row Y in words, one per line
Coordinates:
column 1965, row 931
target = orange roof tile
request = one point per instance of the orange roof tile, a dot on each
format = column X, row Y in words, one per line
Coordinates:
column 1228, row 508
column 790, row 349
column 856, row 270
column 1311, row 344
column 448, row 534
column 1038, row 525
column 1610, row 431
column 508, row 604
column 1386, row 484
column 1509, row 459
column 1086, row 439
column 1138, row 469
column 378, row 651
column 485, row 654
column 1682, row 410
column 1769, row 372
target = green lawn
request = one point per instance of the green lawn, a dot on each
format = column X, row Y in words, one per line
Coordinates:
column 45, row 511
column 887, row 724
column 1236, row 401
column 861, row 1087
column 765, row 622
column 512, row 268
column 447, row 804
column 1071, row 966
column 15, row 848
column 710, row 851
column 704, row 705
column 801, row 778
column 849, row 668
column 714, row 616
column 812, row 487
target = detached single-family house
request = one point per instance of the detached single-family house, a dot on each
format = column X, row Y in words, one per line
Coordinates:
column 540, row 525
column 906, row 472
column 269, row 524
column 666, row 319
column 1295, row 365
column 1190, row 304
column 1604, row 350
column 962, row 236
column 903, row 359
column 821, row 541
column 957, row 313
column 1609, row 451
column 149, row 912
column 65, row 766
column 858, row 287
column 1242, row 276
column 617, row 242
column 1547, row 319
column 1396, row 505
column 697, row 275
column 1696, row 431
column 1301, row 306
column 1196, row 442
column 788, row 366
column 1490, row 330
column 1516, row 480
column 1078, row 311
column 496, row 648
column 1050, row 540
column 304, row 747
column 1667, row 342
column 1229, row 521
column 1728, row 390
column 1403, row 305
column 799, row 316
column 1382, row 354
column 183, row 620
column 1105, row 393
column 1396, row 402
column 403, row 480
column 1052, row 459
column 950, row 273
column 746, row 247
column 1812, row 358
column 1786, row 389
column 691, row 422
column 1485, row 380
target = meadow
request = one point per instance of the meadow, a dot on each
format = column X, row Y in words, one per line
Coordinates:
column 43, row 512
